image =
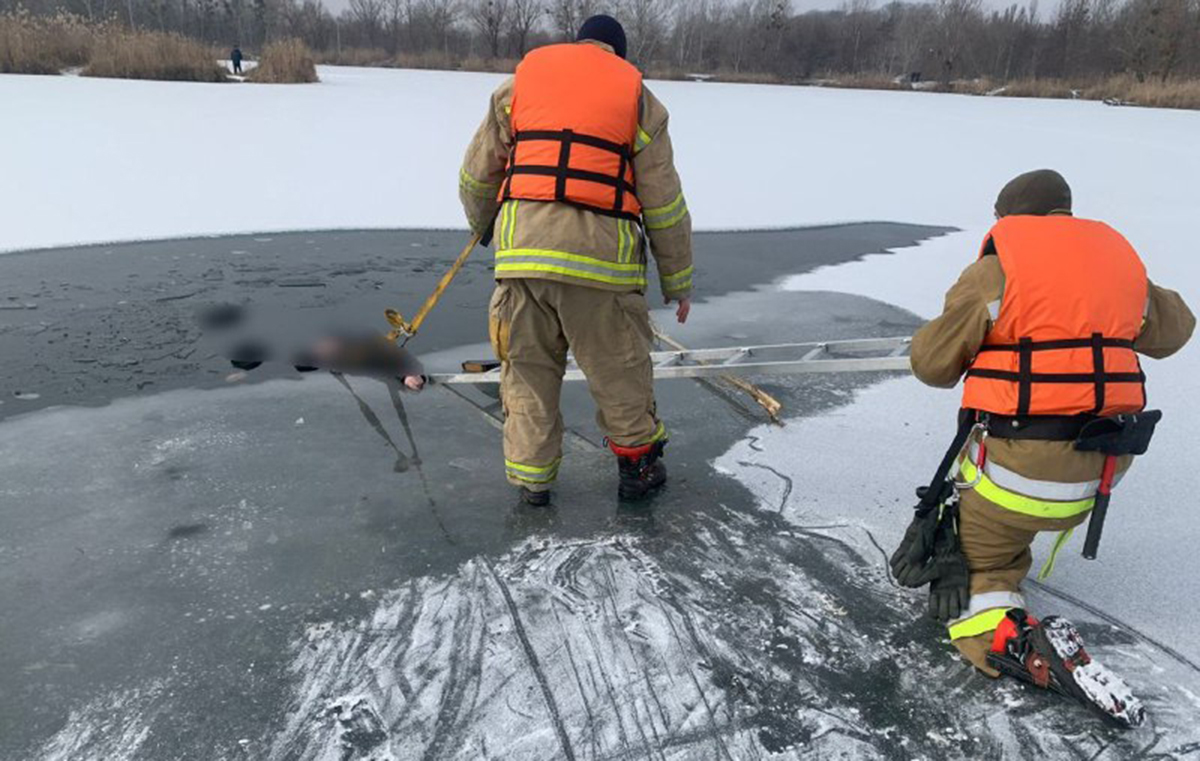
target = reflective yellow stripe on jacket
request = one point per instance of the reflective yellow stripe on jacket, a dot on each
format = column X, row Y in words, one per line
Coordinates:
column 679, row 281
column 517, row 261
column 475, row 187
column 662, row 217
column 643, row 139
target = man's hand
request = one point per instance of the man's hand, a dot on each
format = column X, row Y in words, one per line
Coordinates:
column 682, row 310
column 415, row 382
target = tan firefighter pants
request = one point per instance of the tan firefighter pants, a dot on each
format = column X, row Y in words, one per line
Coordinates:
column 532, row 324
column 996, row 542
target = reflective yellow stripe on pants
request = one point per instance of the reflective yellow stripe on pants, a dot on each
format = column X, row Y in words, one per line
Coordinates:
column 985, row 613
column 660, row 434
column 533, row 474
column 1026, row 504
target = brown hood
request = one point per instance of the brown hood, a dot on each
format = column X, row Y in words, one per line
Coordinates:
column 1038, row 193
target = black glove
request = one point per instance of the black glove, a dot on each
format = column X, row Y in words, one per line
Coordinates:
column 910, row 562
column 950, row 588
column 485, row 238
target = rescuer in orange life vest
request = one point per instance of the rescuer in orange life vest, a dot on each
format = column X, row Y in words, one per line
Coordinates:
column 1047, row 326
column 574, row 167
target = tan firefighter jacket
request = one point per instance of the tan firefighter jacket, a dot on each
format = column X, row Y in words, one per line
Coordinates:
column 573, row 245
column 1037, row 479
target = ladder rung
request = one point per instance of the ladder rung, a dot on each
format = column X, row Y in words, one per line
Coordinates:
column 737, row 357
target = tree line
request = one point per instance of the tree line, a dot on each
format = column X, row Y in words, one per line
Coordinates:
column 942, row 40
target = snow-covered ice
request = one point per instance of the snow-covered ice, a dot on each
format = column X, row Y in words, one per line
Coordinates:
column 123, row 160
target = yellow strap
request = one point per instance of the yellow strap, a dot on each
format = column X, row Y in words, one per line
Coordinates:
column 1019, row 503
column 983, row 623
column 407, row 330
column 1059, row 543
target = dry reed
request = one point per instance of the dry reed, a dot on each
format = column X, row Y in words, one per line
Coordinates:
column 285, row 62
column 44, row 45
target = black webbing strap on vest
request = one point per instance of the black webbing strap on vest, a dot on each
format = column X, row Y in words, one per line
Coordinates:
column 935, row 494
column 1025, row 377
column 563, row 171
column 1035, row 427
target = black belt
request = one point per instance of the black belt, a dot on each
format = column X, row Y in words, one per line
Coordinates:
column 1035, row 427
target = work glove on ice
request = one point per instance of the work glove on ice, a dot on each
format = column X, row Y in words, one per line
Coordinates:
column 950, row 588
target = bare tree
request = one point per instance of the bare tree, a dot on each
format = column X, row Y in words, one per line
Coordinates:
column 368, row 14
column 524, row 16
column 568, row 15
column 956, row 24
column 646, row 23
column 490, row 17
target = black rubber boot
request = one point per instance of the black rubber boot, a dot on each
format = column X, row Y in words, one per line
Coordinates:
column 1050, row 654
column 641, row 470
column 535, row 498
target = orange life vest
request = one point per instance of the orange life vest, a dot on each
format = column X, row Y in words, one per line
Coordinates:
column 1074, row 300
column 575, row 121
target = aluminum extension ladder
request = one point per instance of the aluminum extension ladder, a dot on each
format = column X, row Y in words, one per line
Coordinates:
column 858, row 355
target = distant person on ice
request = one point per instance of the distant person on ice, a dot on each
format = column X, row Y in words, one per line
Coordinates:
column 236, row 58
column 1047, row 326
column 574, row 164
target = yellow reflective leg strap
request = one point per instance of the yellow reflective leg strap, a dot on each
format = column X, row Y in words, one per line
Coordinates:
column 1019, row 503
column 1059, row 543
column 534, row 474
column 985, row 622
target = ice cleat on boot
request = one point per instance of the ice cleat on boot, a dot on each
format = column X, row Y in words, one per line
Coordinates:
column 535, row 498
column 640, row 469
column 1050, row 654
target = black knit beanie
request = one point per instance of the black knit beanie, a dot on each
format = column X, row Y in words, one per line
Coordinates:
column 604, row 29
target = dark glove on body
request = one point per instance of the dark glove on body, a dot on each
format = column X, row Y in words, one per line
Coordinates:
column 485, row 238
column 950, row 588
column 910, row 562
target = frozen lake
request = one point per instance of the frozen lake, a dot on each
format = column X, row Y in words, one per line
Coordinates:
column 195, row 566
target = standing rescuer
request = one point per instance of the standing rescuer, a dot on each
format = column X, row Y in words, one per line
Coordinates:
column 1046, row 326
column 572, row 170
